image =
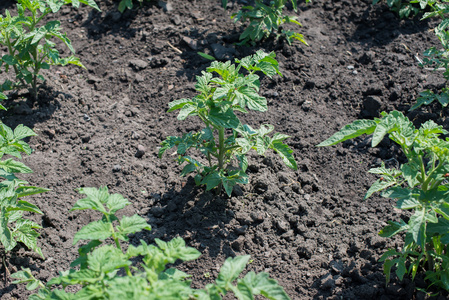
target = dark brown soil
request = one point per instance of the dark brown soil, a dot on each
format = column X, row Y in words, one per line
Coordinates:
column 309, row 229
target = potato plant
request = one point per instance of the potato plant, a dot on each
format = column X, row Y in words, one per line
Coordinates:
column 218, row 99
column 419, row 185
column 265, row 20
column 127, row 4
column 29, row 44
column 409, row 8
column 106, row 271
column 437, row 59
column 14, row 227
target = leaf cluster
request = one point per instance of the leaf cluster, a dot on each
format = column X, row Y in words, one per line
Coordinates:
column 127, row 4
column 29, row 44
column 218, row 100
column 409, row 8
column 419, row 185
column 107, row 272
column 265, row 20
column 14, row 227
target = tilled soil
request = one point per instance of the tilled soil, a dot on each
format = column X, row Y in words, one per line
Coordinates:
column 309, row 229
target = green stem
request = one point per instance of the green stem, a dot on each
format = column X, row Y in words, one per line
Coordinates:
column 12, row 53
column 117, row 243
column 221, row 153
column 428, row 180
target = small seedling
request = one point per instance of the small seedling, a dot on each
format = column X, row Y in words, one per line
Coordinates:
column 106, row 271
column 14, row 226
column 419, row 185
column 225, row 141
column 127, row 4
column 29, row 44
column 265, row 20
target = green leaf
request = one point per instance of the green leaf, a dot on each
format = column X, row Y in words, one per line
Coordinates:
column 13, row 166
column 377, row 186
column 249, row 97
column 6, row 237
column 261, row 284
column 230, row 270
column 178, row 104
column 176, row 249
column 26, row 206
column 132, row 225
column 393, row 228
column 285, row 153
column 355, row 129
column 10, row 60
column 417, row 227
column 187, row 110
column 211, row 181
column 225, row 119
column 206, row 56
column 107, row 259
column 24, row 191
column 97, row 230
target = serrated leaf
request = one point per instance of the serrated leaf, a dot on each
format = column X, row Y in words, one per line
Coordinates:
column 13, row 166
column 132, row 224
column 21, row 132
column 176, row 249
column 97, row 230
column 186, row 110
column 393, row 228
column 355, row 129
column 417, row 227
column 285, row 153
column 178, row 104
column 230, row 270
column 107, row 259
column 24, row 191
column 377, row 186
column 262, row 284
column 225, row 119
column 211, row 181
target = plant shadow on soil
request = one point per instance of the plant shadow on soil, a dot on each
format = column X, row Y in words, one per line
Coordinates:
column 197, row 215
column 35, row 111
column 370, row 30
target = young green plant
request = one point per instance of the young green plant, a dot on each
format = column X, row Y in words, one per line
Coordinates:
column 224, row 140
column 107, row 272
column 29, row 44
column 127, row 4
column 419, row 185
column 438, row 59
column 411, row 7
column 265, row 20
column 14, row 227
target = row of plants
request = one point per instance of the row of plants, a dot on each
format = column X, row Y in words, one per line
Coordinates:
column 28, row 39
column 420, row 184
column 105, row 270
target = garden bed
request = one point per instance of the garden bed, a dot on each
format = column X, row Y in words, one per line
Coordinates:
column 309, row 228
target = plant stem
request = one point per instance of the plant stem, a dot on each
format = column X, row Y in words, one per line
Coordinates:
column 117, row 244
column 221, row 153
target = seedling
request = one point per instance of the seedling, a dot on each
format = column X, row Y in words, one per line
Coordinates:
column 106, row 271
column 265, row 20
column 14, row 227
column 419, row 185
column 127, row 4
column 218, row 100
column 411, row 7
column 29, row 44
column 437, row 59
